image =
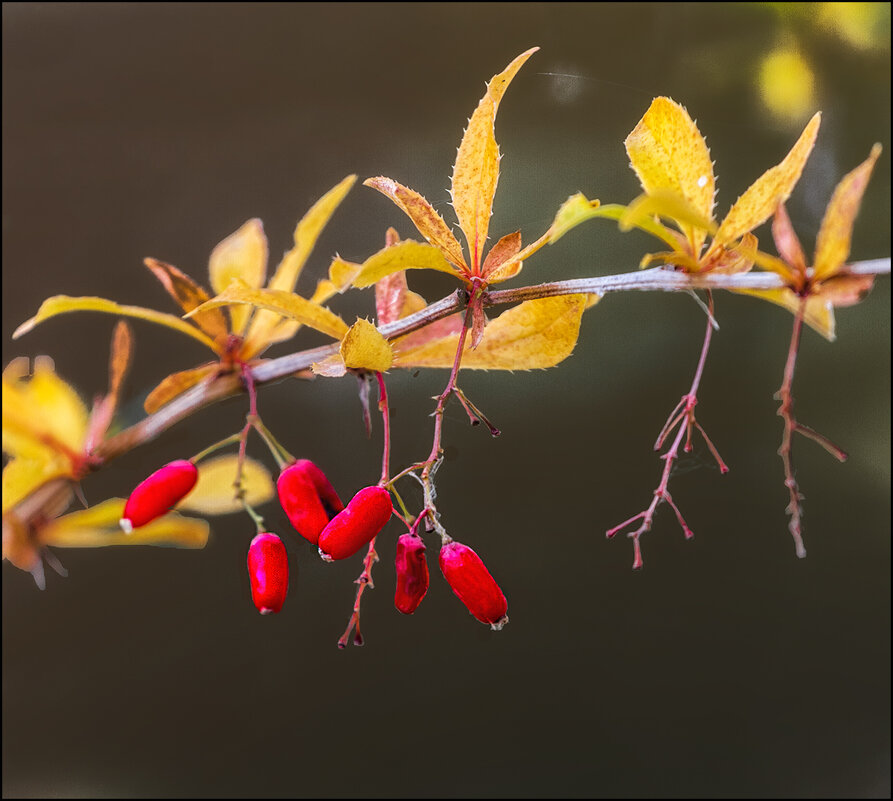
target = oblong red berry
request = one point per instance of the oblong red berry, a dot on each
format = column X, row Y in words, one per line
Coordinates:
column 159, row 493
column 473, row 584
column 412, row 573
column 308, row 499
column 350, row 530
column 268, row 572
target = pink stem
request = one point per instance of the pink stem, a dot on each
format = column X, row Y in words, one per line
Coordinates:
column 386, row 424
column 364, row 581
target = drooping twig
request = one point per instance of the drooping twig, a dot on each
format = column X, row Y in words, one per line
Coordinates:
column 683, row 416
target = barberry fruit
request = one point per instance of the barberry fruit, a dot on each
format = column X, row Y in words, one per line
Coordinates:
column 473, row 584
column 268, row 572
column 158, row 494
column 350, row 530
column 412, row 573
column 307, row 497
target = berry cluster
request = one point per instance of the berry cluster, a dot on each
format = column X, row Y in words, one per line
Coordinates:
column 316, row 512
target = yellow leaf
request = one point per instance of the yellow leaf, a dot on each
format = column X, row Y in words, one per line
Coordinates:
column 286, row 276
column 576, row 209
column 614, row 211
column 833, row 242
column 664, row 203
column 535, row 334
column 819, row 313
column 284, row 304
column 215, row 493
column 42, row 415
column 774, row 186
column 22, row 476
column 98, row 527
column 188, row 294
column 241, row 256
column 341, row 276
column 364, row 348
column 476, row 171
column 176, row 384
column 405, row 255
column 62, row 304
column 428, row 222
column 668, row 153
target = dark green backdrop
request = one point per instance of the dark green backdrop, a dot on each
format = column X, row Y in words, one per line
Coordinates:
column 727, row 667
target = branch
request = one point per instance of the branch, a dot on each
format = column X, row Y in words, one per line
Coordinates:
column 656, row 279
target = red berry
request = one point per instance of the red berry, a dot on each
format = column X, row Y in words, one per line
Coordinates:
column 307, row 497
column 412, row 573
column 268, row 573
column 350, row 530
column 472, row 582
column 158, row 494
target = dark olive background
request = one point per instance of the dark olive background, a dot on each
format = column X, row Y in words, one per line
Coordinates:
column 726, row 667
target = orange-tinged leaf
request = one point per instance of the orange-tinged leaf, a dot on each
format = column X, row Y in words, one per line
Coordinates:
column 535, row 334
column 97, row 527
column 119, row 362
column 476, row 170
column 284, row 304
column 390, row 295
column 62, row 304
column 668, row 153
column 833, row 242
column 215, row 492
column 188, row 294
column 285, row 278
column 787, row 243
column 423, row 215
column 842, row 289
column 405, row 255
column 364, row 348
column 819, row 313
column 241, row 256
column 176, row 384
column 774, row 186
column 738, row 259
column 505, row 249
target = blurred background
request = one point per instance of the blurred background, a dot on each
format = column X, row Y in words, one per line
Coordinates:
column 727, row 667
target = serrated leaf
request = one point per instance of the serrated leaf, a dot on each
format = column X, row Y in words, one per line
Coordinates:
column 242, row 256
column 331, row 367
column 787, row 243
column 62, row 304
column 668, row 153
column 176, row 384
column 341, row 277
column 98, row 527
column 535, row 334
column 405, row 255
column 284, row 304
column 476, row 170
column 214, row 492
column 364, row 348
column 188, row 294
column 774, row 186
column 423, row 215
column 286, row 276
column 833, row 242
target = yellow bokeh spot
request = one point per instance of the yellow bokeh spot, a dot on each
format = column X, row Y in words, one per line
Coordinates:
column 859, row 24
column 787, row 85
